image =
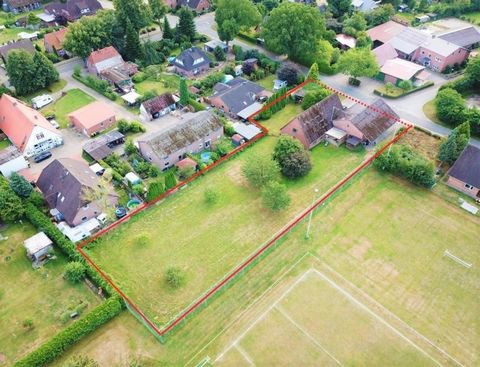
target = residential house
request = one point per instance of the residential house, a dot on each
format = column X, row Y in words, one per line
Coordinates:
column 54, row 42
column 383, row 33
column 72, row 10
column 25, row 45
column 191, row 135
column 109, row 65
column 20, row 6
column 396, row 70
column 11, row 160
column 384, row 53
column 93, row 118
column 467, row 37
column 198, row 6
column 191, row 62
column 408, row 41
column 64, row 184
column 367, row 125
column 438, row 54
column 311, row 125
column 210, row 46
column 237, row 95
column 464, row 175
column 26, row 128
column 158, row 106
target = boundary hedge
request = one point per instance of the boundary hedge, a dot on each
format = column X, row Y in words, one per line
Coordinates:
column 426, row 85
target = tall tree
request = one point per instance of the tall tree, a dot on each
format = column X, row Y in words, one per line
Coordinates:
column 150, row 55
column 167, row 30
column 21, row 71
column 233, row 15
column 184, row 95
column 186, row 26
column 136, row 11
column 313, row 73
column 450, row 106
column 159, row 9
column 358, row 62
column 294, row 29
column 11, row 207
column 275, row 196
column 339, row 7
column 133, row 47
column 259, row 170
column 46, row 73
column 456, row 142
column 20, row 185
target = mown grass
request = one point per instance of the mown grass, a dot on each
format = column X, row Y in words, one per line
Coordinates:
column 71, row 101
column 41, row 295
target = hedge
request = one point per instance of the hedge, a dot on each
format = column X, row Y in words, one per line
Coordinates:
column 105, row 92
column 426, row 85
column 53, row 348
column 42, row 223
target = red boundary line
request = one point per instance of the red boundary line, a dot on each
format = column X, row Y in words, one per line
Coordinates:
column 218, row 286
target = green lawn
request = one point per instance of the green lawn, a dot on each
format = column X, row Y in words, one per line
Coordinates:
column 166, row 83
column 41, row 295
column 473, row 17
column 71, row 101
column 4, row 143
column 53, row 88
column 390, row 92
column 267, row 82
column 206, row 241
column 9, row 34
column 430, row 110
column 281, row 118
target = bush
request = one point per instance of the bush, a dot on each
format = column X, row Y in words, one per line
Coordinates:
column 275, row 196
column 74, row 271
column 196, row 105
column 297, row 164
column 82, row 361
column 138, row 189
column 354, row 81
column 170, row 180
column 53, row 348
column 28, row 324
column 155, row 189
column 314, row 97
column 185, row 172
column 211, row 195
column 223, row 146
column 139, row 77
column 289, row 74
column 20, row 185
column 130, row 127
column 101, row 86
column 174, row 277
column 219, row 54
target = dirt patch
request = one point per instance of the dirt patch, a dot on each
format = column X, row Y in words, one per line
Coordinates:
column 234, row 173
column 422, row 143
column 360, row 250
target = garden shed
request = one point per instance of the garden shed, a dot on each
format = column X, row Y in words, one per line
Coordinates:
column 38, row 247
column 132, row 178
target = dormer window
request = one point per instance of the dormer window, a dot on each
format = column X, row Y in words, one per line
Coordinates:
column 198, row 61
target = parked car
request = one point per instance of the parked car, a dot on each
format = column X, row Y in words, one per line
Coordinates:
column 54, row 123
column 41, row 101
column 42, row 156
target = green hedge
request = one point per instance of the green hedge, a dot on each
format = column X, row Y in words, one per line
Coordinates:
column 53, row 348
column 101, row 86
column 196, row 105
column 426, row 85
column 42, row 223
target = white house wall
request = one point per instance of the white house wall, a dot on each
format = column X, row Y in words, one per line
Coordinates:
column 41, row 140
column 13, row 165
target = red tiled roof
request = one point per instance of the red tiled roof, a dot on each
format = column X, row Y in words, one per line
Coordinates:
column 92, row 114
column 55, row 39
column 386, row 31
column 17, row 120
column 103, row 54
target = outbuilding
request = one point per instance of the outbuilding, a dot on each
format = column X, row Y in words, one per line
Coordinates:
column 38, row 247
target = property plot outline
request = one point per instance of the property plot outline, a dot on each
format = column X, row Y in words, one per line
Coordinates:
column 161, row 332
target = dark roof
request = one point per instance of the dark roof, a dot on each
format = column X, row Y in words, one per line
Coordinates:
column 73, row 9
column 9, row 153
column 20, row 3
column 184, row 133
column 374, row 120
column 98, row 148
column 238, row 93
column 26, row 45
column 467, row 166
column 318, row 119
column 63, row 183
column 159, row 103
column 192, row 4
column 191, row 59
column 464, row 37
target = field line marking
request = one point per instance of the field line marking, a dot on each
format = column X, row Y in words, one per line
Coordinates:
column 264, row 314
column 350, row 297
column 307, row 334
column 442, row 351
column 244, row 354
column 256, row 301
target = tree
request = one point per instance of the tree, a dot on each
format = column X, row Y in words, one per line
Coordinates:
column 81, row 361
column 233, row 15
column 185, row 172
column 133, row 47
column 297, row 164
column 289, row 74
column 20, row 185
column 159, row 9
column 339, row 7
column 358, row 62
column 186, row 25
column 170, row 180
column 219, row 54
column 134, row 11
column 150, row 54
column 380, row 14
column 314, row 97
column 155, row 189
column 454, row 145
column 406, row 85
column 355, row 24
column 275, row 196
column 21, row 71
column 294, row 29
column 46, row 73
column 74, row 271
column 167, row 30
column 450, row 106
column 174, row 277
column 260, row 169
column 313, row 73
column 285, row 146
column 184, row 94
column 11, row 206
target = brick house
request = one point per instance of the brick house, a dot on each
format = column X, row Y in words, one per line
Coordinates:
column 195, row 133
column 192, row 62
column 20, row 6
column 72, row 10
column 437, row 54
column 198, row 6
column 53, row 42
column 464, row 175
column 93, row 118
column 103, row 59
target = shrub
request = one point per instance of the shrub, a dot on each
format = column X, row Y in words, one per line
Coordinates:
column 155, row 189
column 74, row 271
column 139, row 77
column 289, row 74
column 101, row 86
column 53, row 348
column 196, row 105
column 20, row 185
column 211, row 195
column 297, row 164
column 259, row 170
column 81, row 361
column 28, row 324
column 174, row 277
column 77, row 70
column 219, row 54
column 275, row 196
column 450, row 106
column 223, row 146
column 170, row 180
column 314, row 97
column 138, row 189
column 185, row 172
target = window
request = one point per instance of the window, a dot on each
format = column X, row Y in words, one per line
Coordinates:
column 84, row 219
column 437, row 59
column 167, row 164
column 467, row 186
column 207, row 144
column 39, row 136
column 294, row 130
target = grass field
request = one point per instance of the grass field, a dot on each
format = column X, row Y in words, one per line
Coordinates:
column 267, row 82
column 40, row 295
column 53, row 88
column 214, row 238
column 281, row 118
column 168, row 83
column 71, row 101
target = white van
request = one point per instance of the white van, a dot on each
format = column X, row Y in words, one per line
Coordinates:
column 41, row 101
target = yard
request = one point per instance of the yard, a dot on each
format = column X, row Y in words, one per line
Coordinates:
column 41, row 296
column 267, row 82
column 71, row 101
column 165, row 83
column 138, row 253
column 281, row 118
column 53, row 88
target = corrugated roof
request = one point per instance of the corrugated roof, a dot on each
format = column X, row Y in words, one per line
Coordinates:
column 440, row 46
column 463, row 37
column 386, row 31
column 401, row 69
column 408, row 40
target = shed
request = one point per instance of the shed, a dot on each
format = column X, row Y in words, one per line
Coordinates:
column 132, row 178
column 186, row 162
column 422, row 18
column 211, row 45
column 38, row 246
column 279, row 84
column 238, row 140
column 131, row 98
column 247, row 131
column 97, row 169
